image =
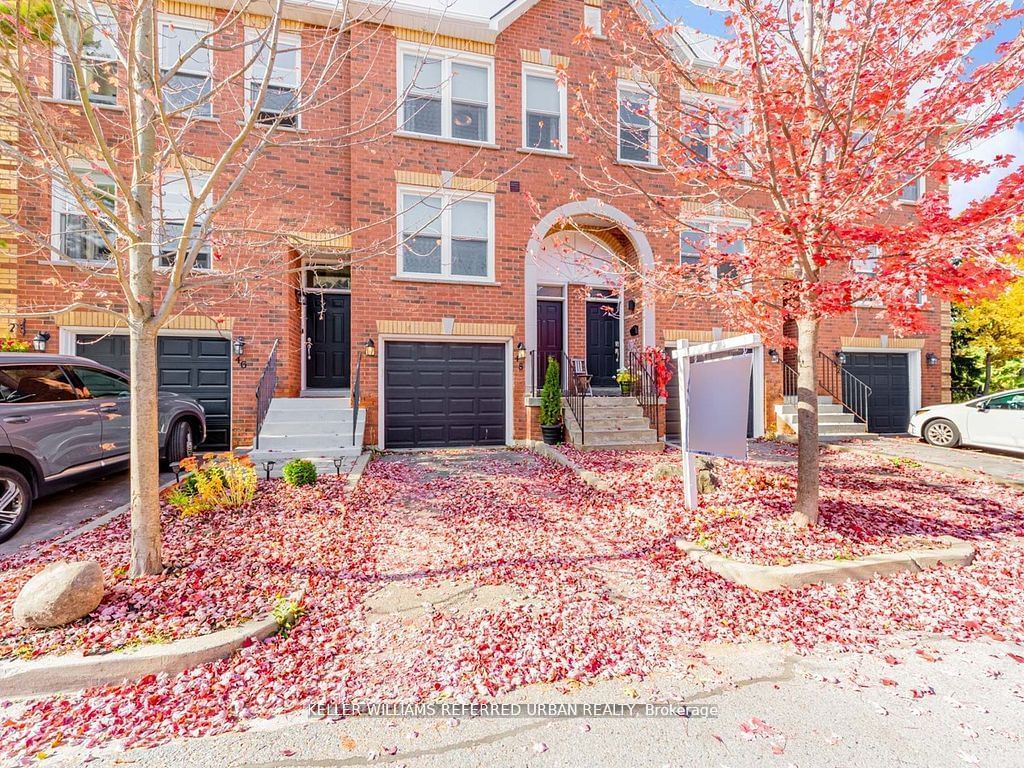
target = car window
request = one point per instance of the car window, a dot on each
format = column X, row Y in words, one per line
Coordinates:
column 35, row 384
column 1012, row 402
column 100, row 383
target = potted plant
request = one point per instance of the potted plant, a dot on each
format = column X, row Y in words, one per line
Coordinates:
column 551, row 405
column 625, row 380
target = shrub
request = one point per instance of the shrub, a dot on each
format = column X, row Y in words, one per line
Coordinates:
column 299, row 472
column 551, row 396
column 222, row 482
column 287, row 613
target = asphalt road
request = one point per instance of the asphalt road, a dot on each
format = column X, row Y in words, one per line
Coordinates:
column 999, row 466
column 62, row 512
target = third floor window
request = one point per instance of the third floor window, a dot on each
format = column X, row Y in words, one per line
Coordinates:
column 448, row 95
column 186, row 56
column 544, row 110
column 90, row 41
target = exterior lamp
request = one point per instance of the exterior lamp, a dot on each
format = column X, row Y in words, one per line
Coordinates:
column 238, row 348
column 520, row 354
column 841, row 357
column 267, row 466
column 370, row 349
column 39, row 342
column 773, row 355
column 337, row 466
column 932, row 358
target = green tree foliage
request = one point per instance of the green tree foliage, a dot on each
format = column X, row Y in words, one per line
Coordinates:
column 32, row 18
column 988, row 343
column 551, row 396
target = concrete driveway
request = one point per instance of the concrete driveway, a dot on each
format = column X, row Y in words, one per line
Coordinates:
column 62, row 512
column 998, row 466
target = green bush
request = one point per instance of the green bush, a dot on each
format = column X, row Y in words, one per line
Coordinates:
column 299, row 472
column 551, row 396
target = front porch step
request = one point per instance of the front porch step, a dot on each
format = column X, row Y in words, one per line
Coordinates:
column 613, row 423
column 834, row 423
column 309, row 428
column 830, row 407
column 306, row 394
column 280, row 456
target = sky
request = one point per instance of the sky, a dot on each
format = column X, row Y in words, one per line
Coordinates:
column 1010, row 142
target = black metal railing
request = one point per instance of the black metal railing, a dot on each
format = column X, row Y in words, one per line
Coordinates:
column 533, row 372
column 575, row 394
column 644, row 387
column 355, row 398
column 265, row 391
column 834, row 380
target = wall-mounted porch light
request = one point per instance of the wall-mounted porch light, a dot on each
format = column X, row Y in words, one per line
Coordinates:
column 370, row 350
column 39, row 342
column 773, row 355
column 520, row 354
column 238, row 348
column 840, row 357
column 932, row 358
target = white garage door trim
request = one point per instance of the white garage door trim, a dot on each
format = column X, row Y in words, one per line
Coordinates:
column 913, row 371
column 383, row 338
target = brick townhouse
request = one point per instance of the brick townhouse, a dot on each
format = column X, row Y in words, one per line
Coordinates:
column 450, row 324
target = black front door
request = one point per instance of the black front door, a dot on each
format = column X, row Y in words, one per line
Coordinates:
column 602, row 344
column 327, row 341
column 549, row 336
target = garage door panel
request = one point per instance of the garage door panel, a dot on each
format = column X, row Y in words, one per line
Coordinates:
column 888, row 376
column 451, row 394
column 196, row 367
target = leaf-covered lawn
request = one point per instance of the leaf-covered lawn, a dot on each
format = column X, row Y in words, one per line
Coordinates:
column 502, row 569
column 868, row 504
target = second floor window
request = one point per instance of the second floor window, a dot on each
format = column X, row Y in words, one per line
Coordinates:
column 723, row 236
column 913, row 191
column 78, row 236
column 448, row 97
column 174, row 202
column 92, row 45
column 183, row 48
column 638, row 136
column 281, row 99
column 544, row 109
column 446, row 235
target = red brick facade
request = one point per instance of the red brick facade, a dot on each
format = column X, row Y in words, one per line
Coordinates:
column 354, row 190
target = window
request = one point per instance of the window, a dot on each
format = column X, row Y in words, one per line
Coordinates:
column 35, row 384
column 100, row 383
column 696, row 132
column 190, row 85
column 328, row 278
column 867, row 264
column 282, row 94
column 691, row 242
column 174, row 204
column 592, row 19
column 720, row 235
column 446, row 235
column 449, row 97
column 638, row 136
column 544, row 111
column 94, row 46
column 913, row 191
column 77, row 237
column 708, row 126
column 1011, row 402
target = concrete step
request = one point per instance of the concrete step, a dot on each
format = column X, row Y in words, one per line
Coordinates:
column 322, row 443
column 324, row 465
column 281, row 456
column 821, row 399
column 603, row 422
column 823, row 418
column 287, row 424
column 822, row 408
column 628, row 435
column 851, row 428
column 309, row 405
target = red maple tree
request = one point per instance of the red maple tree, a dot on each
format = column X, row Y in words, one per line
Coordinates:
column 833, row 128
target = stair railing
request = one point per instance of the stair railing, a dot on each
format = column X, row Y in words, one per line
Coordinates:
column 265, row 391
column 845, row 388
column 575, row 397
column 644, row 387
column 355, row 398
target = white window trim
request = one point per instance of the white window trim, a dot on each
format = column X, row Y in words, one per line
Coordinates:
column 598, row 31
column 714, row 225
column 920, row 181
column 288, row 42
column 447, row 56
column 449, row 197
column 60, row 59
column 538, row 70
column 160, row 218
column 652, row 109
column 195, row 25
column 57, row 196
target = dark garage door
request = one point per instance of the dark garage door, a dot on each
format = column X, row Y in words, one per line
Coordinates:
column 887, row 375
column 672, row 422
column 443, row 394
column 197, row 367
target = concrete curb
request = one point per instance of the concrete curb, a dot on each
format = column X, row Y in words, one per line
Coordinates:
column 555, row 455
column 357, row 470
column 98, row 522
column 61, row 674
column 766, row 578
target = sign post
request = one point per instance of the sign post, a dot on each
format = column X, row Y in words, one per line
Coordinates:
column 689, row 459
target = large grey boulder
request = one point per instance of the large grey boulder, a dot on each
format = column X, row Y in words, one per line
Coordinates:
column 59, row 594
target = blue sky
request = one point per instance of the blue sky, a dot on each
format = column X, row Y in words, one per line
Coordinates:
column 1009, row 142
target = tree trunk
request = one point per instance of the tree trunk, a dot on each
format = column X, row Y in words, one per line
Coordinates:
column 988, row 373
column 806, row 510
column 144, row 471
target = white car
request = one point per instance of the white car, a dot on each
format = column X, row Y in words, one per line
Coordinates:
column 992, row 421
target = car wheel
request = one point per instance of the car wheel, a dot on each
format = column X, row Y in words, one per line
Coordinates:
column 180, row 442
column 15, row 501
column 942, row 432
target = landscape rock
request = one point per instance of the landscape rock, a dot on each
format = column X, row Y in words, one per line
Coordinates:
column 59, row 594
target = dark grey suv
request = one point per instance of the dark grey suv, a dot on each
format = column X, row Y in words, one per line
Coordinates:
column 63, row 419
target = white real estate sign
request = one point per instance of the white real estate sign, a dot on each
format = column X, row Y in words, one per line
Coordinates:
column 713, row 404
